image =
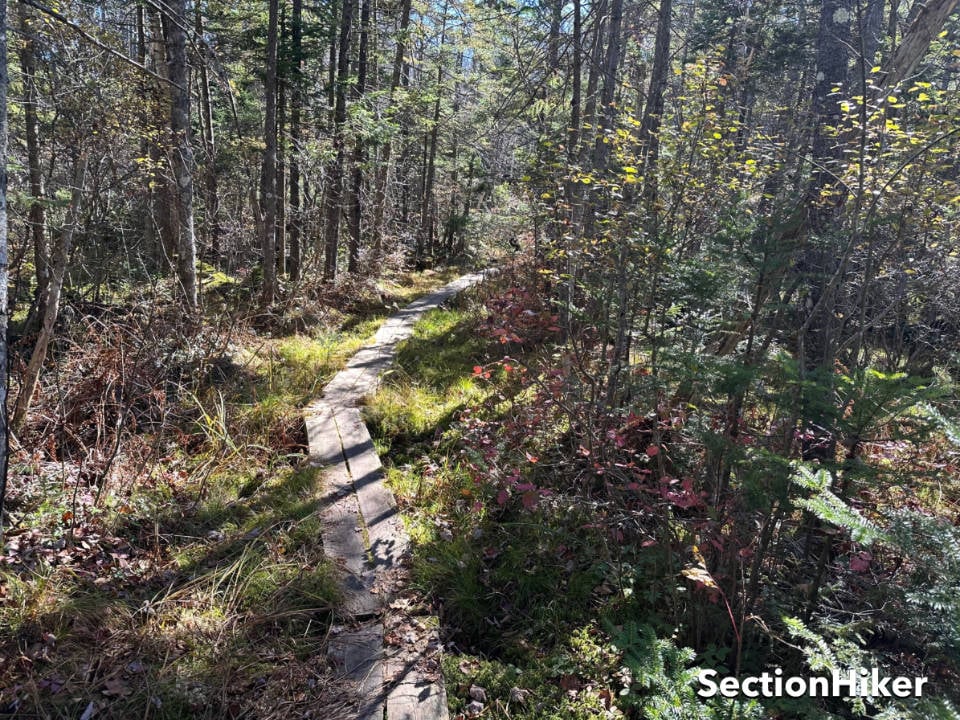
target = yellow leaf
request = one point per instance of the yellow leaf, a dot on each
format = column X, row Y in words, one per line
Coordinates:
column 700, row 575
column 891, row 98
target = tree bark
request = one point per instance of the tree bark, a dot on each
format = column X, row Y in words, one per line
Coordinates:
column 927, row 23
column 334, row 200
column 281, row 183
column 182, row 162
column 296, row 106
column 359, row 153
column 611, row 62
column 36, row 216
column 268, row 175
column 4, row 304
column 380, row 195
column 833, row 57
column 425, row 237
column 58, row 269
column 211, row 190
column 653, row 110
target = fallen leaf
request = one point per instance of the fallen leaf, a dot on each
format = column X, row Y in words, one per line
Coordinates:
column 117, row 687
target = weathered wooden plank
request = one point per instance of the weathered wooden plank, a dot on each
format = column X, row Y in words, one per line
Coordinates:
column 356, row 502
column 415, row 698
column 359, row 654
column 387, row 538
column 343, row 542
column 342, row 533
column 323, row 441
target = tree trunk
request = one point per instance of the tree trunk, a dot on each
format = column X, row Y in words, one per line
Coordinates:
column 36, row 216
column 833, row 57
column 211, row 200
column 611, row 62
column 927, row 23
column 174, row 22
column 58, row 269
column 268, row 175
column 553, row 42
column 430, row 167
column 871, row 24
column 296, row 105
column 593, row 65
column 281, row 183
column 4, row 304
column 334, row 200
column 653, row 110
column 359, row 152
column 380, row 195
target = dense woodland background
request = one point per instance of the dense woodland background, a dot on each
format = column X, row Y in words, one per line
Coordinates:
column 711, row 395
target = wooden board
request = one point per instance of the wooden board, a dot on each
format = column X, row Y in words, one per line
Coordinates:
column 387, row 538
column 416, row 699
column 359, row 654
column 362, row 531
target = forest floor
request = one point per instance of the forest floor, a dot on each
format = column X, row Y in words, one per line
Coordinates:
column 187, row 577
column 184, row 578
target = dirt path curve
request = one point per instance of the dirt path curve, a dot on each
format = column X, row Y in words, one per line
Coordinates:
column 363, row 533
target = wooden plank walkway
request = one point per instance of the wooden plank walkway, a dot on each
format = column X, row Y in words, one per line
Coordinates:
column 363, row 533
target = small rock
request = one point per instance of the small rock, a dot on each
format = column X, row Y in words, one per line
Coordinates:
column 478, row 693
column 474, row 708
column 518, row 695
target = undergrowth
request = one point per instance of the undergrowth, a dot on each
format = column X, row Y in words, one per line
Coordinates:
column 578, row 567
column 164, row 558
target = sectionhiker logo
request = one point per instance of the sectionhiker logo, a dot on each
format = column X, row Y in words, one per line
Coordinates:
column 855, row 682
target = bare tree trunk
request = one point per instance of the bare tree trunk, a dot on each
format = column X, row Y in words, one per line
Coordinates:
column 182, row 151
column 36, row 216
column 427, row 204
column 653, row 111
column 58, row 269
column 593, row 76
column 553, row 43
column 929, row 20
column 359, row 153
column 380, row 195
column 211, row 199
column 833, row 57
column 296, row 105
column 611, row 62
column 870, row 20
column 4, row 303
column 268, row 175
column 159, row 222
column 281, row 184
column 334, row 200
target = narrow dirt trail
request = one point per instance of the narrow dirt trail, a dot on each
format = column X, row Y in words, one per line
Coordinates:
column 363, row 533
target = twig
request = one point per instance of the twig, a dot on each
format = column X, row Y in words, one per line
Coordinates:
column 91, row 39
